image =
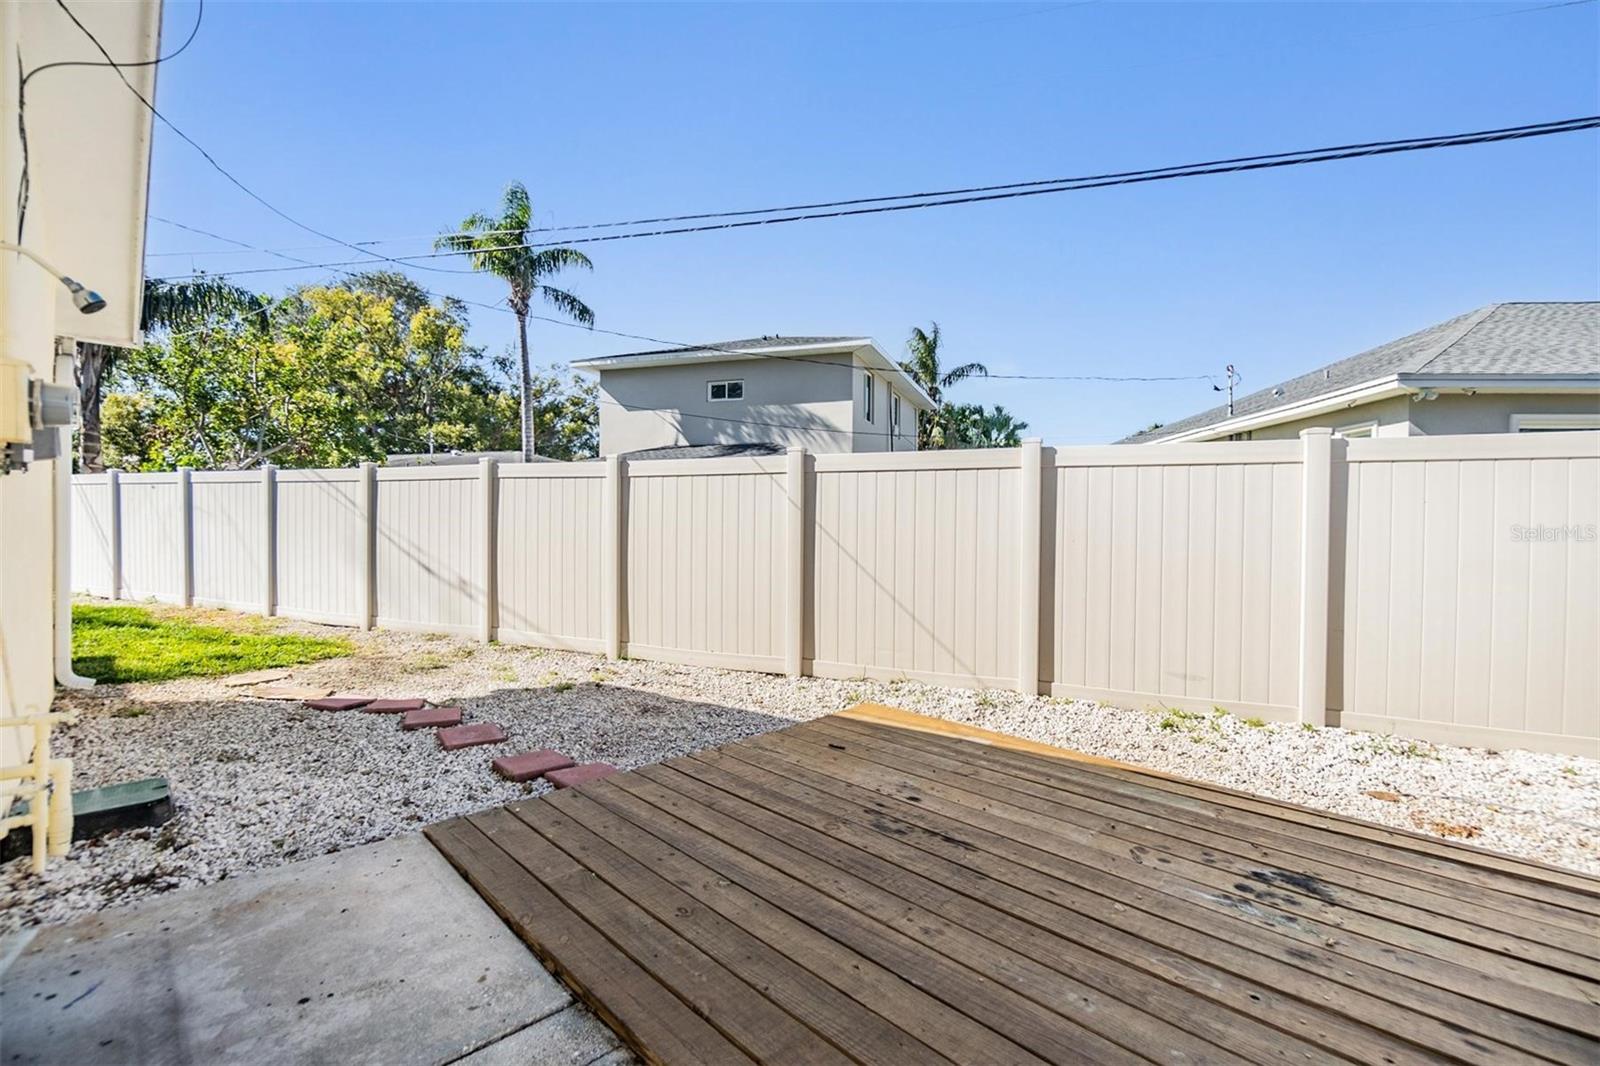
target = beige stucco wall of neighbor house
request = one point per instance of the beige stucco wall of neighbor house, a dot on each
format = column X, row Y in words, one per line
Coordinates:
column 88, row 164
column 1391, row 416
column 879, row 434
column 788, row 402
column 1447, row 414
column 1491, row 412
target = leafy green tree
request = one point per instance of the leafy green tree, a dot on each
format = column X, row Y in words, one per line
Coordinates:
column 926, row 370
column 334, row 375
column 167, row 306
column 996, row 428
column 971, row 425
column 499, row 246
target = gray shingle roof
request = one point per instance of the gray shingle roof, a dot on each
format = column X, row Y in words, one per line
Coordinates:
column 705, row 451
column 747, row 344
column 1504, row 338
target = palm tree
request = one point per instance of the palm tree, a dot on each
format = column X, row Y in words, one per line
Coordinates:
column 924, row 368
column 166, row 306
column 499, row 246
column 996, row 428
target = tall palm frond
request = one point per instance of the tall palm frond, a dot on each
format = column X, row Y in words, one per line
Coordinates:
column 170, row 304
column 498, row 245
column 923, row 367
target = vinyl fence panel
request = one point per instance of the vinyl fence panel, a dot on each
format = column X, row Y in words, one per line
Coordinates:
column 914, row 570
column 1443, row 588
column 547, row 544
column 1471, row 594
column 430, row 553
column 703, row 558
column 230, row 542
column 92, row 534
column 321, row 545
column 1176, row 576
column 152, row 538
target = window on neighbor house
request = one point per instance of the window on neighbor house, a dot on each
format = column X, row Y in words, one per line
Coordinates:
column 719, row 391
column 1361, row 429
column 1553, row 423
column 894, row 412
column 870, row 386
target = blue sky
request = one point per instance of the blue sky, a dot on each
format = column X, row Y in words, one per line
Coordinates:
column 396, row 120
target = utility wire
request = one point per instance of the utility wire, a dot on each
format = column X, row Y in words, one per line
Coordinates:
column 194, row 31
column 24, row 183
column 218, row 167
column 706, row 215
column 685, row 346
column 1039, row 188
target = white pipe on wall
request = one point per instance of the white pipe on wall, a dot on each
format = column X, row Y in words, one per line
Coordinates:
column 62, row 547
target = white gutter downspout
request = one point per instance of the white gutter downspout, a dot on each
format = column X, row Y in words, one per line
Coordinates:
column 61, row 543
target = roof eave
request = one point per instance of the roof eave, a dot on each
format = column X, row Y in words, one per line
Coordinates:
column 855, row 347
column 1383, row 388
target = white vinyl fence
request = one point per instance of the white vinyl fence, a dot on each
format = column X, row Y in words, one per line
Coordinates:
column 1445, row 588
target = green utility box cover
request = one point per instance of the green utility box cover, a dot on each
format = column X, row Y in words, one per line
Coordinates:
column 97, row 811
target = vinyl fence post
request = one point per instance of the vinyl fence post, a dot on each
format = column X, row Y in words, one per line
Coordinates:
column 611, row 589
column 369, row 570
column 1030, row 493
column 1316, row 493
column 186, row 536
column 269, row 518
column 488, row 488
column 795, row 560
column 114, row 509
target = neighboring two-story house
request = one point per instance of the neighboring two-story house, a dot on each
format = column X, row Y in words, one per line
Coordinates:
column 1505, row 368
column 826, row 394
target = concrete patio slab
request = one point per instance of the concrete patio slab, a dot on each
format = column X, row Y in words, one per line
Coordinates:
column 570, row 1037
column 379, row 954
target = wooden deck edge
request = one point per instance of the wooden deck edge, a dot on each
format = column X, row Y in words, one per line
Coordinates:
column 881, row 714
column 895, row 717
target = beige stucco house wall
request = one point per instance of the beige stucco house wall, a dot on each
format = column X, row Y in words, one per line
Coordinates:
column 88, row 169
column 1505, row 368
column 1413, row 416
column 786, row 392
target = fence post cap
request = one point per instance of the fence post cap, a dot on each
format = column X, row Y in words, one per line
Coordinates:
column 1316, row 431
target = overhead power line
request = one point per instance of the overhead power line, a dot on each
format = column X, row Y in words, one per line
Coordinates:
column 676, row 344
column 1015, row 190
column 23, row 182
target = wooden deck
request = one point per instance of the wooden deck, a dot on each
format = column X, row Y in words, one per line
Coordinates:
column 878, row 887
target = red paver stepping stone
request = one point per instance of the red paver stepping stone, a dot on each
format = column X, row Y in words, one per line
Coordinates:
column 429, row 717
column 466, row 736
column 578, row 775
column 339, row 703
column 394, row 706
column 531, row 764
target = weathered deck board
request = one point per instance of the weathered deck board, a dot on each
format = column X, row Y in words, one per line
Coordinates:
column 879, row 887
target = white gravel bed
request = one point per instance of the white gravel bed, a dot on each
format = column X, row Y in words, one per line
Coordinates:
column 260, row 783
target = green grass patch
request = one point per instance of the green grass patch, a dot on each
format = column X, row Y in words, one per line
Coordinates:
column 117, row 644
